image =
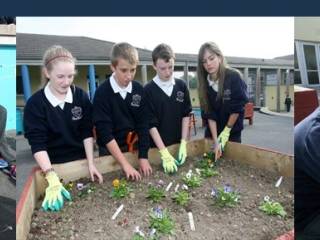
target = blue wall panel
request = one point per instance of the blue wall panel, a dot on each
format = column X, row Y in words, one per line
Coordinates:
column 8, row 83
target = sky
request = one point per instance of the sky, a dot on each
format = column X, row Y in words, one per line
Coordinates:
column 255, row 37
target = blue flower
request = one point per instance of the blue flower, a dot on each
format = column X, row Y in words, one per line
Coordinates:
column 227, row 188
column 158, row 212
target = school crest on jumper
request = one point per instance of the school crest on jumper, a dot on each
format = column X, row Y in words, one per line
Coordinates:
column 227, row 94
column 180, row 96
column 76, row 113
column 136, row 99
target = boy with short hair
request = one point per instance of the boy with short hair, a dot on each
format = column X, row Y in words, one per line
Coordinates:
column 168, row 108
column 118, row 108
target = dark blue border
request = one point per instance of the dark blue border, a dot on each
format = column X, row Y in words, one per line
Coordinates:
column 160, row 8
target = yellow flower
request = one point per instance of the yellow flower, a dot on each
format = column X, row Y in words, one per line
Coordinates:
column 209, row 161
column 116, row 183
column 205, row 154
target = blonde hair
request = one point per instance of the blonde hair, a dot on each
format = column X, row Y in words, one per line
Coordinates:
column 126, row 51
column 53, row 55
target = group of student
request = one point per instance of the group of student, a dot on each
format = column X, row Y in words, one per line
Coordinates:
column 59, row 118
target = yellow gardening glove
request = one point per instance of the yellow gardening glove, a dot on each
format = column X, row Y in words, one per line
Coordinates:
column 54, row 193
column 224, row 137
column 182, row 155
column 168, row 162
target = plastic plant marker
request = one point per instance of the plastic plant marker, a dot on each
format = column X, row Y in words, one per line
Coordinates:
column 168, row 187
column 117, row 212
column 279, row 182
column 191, row 221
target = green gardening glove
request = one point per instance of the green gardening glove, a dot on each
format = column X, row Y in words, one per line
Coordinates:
column 55, row 192
column 168, row 162
column 182, row 155
column 224, row 137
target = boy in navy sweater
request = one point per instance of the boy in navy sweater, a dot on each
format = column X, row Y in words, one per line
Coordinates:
column 119, row 108
column 307, row 177
column 58, row 123
column 168, row 108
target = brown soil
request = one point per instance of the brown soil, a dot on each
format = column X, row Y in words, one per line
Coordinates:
column 89, row 217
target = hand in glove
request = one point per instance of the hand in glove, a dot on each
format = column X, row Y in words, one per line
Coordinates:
column 224, row 137
column 168, row 162
column 54, row 193
column 182, row 153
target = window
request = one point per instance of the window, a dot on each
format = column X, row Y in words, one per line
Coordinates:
column 307, row 63
column 297, row 74
column 311, row 64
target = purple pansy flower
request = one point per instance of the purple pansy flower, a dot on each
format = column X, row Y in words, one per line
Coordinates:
column 227, row 188
column 158, row 212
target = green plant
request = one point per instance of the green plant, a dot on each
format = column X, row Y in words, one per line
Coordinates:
column 136, row 236
column 192, row 180
column 85, row 190
column 68, row 186
column 207, row 166
column 161, row 221
column 181, row 198
column 272, row 208
column 208, row 172
column 225, row 197
column 120, row 189
column 155, row 194
column 207, row 161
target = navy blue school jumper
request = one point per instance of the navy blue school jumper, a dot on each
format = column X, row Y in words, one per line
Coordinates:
column 114, row 117
column 166, row 112
column 307, row 174
column 59, row 132
column 233, row 101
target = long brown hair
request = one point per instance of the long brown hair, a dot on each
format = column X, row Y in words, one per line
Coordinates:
column 202, row 74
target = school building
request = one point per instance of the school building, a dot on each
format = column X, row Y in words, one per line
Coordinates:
column 307, row 52
column 8, row 72
column 269, row 80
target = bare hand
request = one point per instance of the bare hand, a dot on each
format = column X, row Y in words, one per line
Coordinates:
column 217, row 151
column 94, row 172
column 131, row 173
column 145, row 167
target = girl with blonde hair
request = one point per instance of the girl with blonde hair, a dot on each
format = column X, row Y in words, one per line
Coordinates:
column 58, row 123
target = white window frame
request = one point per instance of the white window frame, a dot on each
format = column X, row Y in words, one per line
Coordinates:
column 302, row 62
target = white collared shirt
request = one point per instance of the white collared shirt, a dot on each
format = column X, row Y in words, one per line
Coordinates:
column 166, row 86
column 117, row 89
column 213, row 84
column 54, row 100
